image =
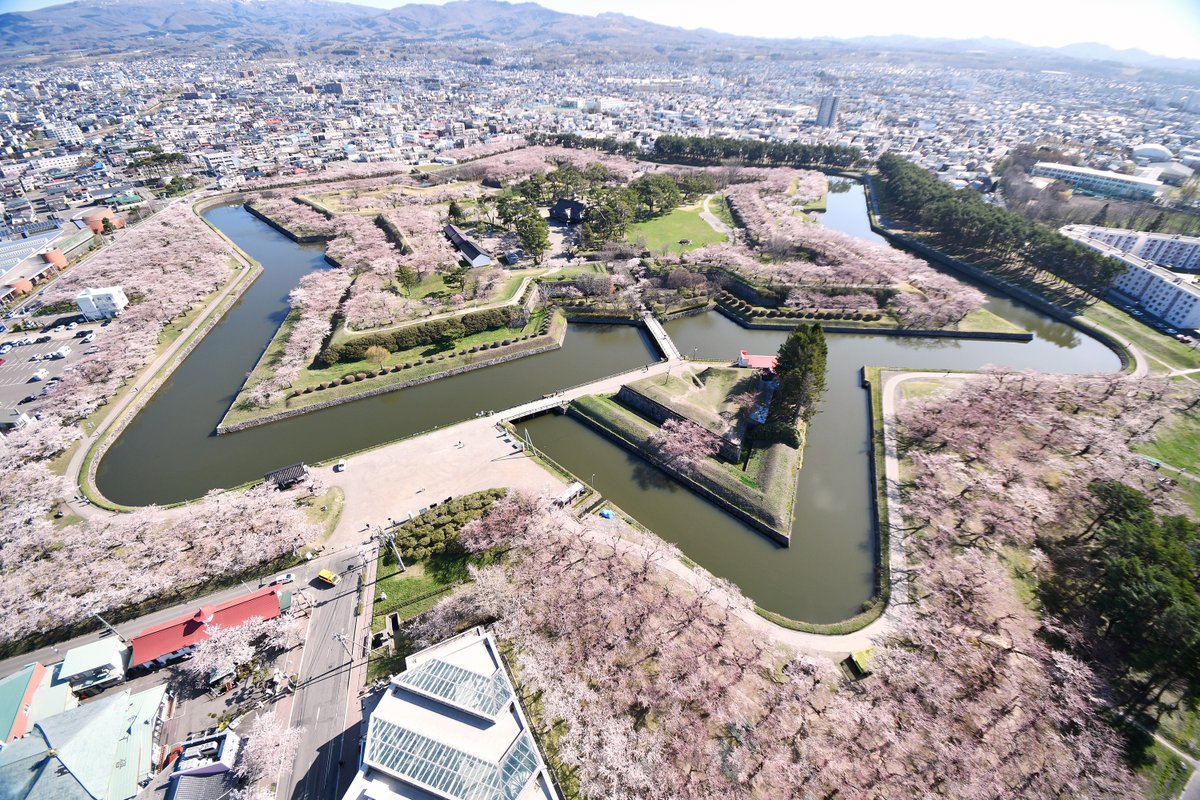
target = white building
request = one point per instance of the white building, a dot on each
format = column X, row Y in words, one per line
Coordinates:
column 1164, row 294
column 221, row 160
column 450, row 727
column 1166, row 249
column 47, row 163
column 1112, row 184
column 103, row 303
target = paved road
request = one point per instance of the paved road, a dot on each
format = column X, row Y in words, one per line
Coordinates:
column 319, row 708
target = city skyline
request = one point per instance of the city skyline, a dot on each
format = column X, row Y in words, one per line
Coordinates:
column 1025, row 21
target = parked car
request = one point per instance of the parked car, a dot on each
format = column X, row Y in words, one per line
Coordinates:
column 72, row 326
column 279, row 580
column 2, row 362
column 27, row 399
column 4, row 348
column 42, row 339
column 36, row 357
column 82, row 333
column 58, row 329
column 39, row 375
column 61, row 352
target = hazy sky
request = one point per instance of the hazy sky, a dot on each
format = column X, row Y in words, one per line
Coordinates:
column 1167, row 27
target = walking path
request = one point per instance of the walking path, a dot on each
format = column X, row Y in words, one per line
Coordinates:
column 713, row 221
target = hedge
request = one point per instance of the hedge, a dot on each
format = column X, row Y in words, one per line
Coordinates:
column 426, row 333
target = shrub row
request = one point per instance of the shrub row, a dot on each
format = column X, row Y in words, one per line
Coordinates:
column 362, row 376
column 438, row 330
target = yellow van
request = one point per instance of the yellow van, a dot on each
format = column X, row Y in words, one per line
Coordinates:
column 329, row 576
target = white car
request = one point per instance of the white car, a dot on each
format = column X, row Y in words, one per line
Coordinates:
column 72, row 326
column 58, row 329
column 40, row 374
column 36, row 357
column 4, row 348
column 279, row 580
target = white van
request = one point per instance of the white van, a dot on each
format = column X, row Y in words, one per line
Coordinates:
column 61, row 352
column 40, row 374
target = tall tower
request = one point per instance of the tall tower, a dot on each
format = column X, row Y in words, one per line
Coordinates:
column 827, row 112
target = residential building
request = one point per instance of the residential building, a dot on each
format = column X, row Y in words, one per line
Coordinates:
column 93, row 667
column 1166, row 295
column 1165, row 249
column 1097, row 181
column 167, row 641
column 827, row 111
column 103, row 750
column 204, row 768
column 104, row 303
column 30, row 694
column 473, row 253
column 450, row 727
column 569, row 211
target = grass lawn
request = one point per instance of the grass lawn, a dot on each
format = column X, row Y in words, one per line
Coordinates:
column 575, row 270
column 983, row 321
column 699, row 393
column 1154, row 344
column 666, row 231
column 819, row 204
column 1164, row 772
column 915, row 389
column 719, row 207
column 326, row 509
column 1177, row 444
column 410, row 594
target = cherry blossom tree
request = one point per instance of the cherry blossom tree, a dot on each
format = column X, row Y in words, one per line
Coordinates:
column 683, row 444
column 267, row 745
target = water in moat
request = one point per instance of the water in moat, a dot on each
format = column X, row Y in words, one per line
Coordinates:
column 170, row 451
column 827, row 572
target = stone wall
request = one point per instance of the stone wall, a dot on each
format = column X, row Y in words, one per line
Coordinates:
column 731, row 449
column 554, row 344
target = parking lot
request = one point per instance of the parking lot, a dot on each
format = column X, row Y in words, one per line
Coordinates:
column 22, row 361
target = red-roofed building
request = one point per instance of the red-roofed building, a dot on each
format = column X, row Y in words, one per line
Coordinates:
column 757, row 362
column 171, row 639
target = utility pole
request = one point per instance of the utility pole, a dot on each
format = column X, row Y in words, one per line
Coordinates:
column 344, row 641
column 104, row 622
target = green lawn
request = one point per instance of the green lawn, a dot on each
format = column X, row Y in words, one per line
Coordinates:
column 983, row 321
column 667, row 231
column 699, row 393
column 1164, row 772
column 719, row 207
column 1177, row 444
column 1154, row 344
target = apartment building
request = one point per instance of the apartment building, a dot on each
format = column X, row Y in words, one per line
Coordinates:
column 1098, row 181
column 1165, row 249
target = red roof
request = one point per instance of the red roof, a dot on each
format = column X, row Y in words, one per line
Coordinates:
column 757, row 362
column 176, row 634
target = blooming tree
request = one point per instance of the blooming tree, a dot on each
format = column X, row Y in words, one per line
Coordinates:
column 267, row 745
column 682, row 443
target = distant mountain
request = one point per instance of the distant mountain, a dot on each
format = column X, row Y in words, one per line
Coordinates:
column 288, row 27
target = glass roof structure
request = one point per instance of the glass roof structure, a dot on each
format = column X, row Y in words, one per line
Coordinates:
column 484, row 695
column 447, row 770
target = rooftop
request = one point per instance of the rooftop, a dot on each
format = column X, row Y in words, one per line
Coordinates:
column 449, row 727
column 173, row 635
